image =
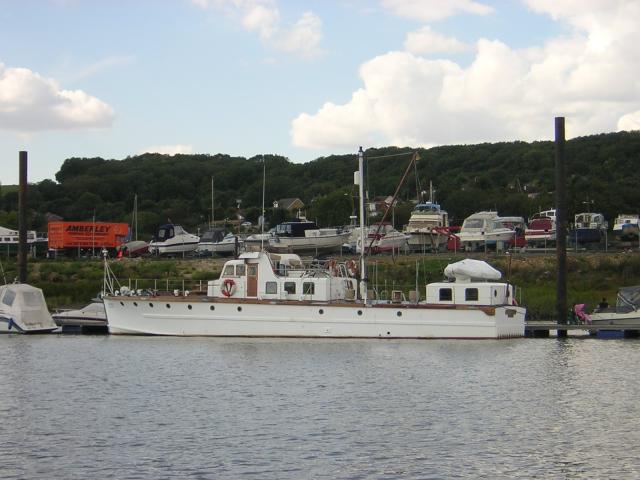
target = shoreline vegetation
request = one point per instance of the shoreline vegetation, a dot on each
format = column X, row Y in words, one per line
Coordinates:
column 591, row 276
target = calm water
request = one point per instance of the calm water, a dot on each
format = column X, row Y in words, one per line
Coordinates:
column 146, row 407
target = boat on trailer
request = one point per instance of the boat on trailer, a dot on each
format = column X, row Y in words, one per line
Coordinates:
column 173, row 239
column 262, row 294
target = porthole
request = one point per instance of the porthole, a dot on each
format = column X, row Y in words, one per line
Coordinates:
column 321, row 311
column 399, row 314
column 122, row 303
column 151, row 304
column 212, row 308
column 135, row 304
column 239, row 309
column 189, row 307
column 168, row 306
column 359, row 312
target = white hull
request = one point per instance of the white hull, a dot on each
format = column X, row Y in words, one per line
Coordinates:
column 219, row 248
column 307, row 244
column 92, row 314
column 169, row 248
column 612, row 318
column 427, row 239
column 271, row 319
column 537, row 237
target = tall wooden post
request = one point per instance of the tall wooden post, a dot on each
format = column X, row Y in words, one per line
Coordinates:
column 561, row 225
column 22, row 220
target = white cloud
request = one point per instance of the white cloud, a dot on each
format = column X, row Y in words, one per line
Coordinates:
column 303, row 38
column 433, row 10
column 30, row 102
column 168, row 149
column 427, row 41
column 630, row 121
column 590, row 75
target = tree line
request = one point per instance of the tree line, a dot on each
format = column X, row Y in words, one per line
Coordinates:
column 514, row 178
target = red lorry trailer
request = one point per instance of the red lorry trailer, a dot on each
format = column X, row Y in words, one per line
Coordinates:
column 75, row 237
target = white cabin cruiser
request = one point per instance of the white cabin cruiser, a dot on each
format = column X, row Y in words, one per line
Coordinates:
column 24, row 310
column 173, row 239
column 426, row 226
column 216, row 242
column 305, row 236
column 262, row 294
column 487, row 228
column 625, row 312
column 625, row 227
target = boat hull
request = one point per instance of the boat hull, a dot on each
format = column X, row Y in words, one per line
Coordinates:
column 153, row 316
column 171, row 248
column 613, row 318
column 307, row 244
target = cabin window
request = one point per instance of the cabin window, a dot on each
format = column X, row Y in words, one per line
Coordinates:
column 271, row 288
column 228, row 271
column 290, row 287
column 9, row 297
column 471, row 295
column 32, row 299
column 446, row 295
column 308, row 288
column 240, row 269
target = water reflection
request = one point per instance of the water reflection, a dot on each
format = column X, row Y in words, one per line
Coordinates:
column 147, row 407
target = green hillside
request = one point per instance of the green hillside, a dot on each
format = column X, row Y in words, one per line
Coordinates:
column 516, row 178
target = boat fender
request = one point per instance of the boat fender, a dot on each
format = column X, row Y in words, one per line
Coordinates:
column 228, row 287
column 332, row 266
column 352, row 268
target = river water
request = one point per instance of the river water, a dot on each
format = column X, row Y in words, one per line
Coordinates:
column 78, row 407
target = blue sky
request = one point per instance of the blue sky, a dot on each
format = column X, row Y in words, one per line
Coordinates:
column 306, row 78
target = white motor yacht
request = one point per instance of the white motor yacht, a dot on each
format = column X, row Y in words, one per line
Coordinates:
column 173, row 239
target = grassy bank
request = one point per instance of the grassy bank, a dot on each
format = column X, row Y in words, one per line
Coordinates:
column 590, row 276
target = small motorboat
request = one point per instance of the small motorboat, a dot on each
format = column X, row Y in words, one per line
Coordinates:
column 91, row 315
column 24, row 310
column 173, row 239
column 216, row 242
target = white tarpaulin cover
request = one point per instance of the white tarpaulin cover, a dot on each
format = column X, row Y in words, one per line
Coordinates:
column 470, row 269
column 24, row 308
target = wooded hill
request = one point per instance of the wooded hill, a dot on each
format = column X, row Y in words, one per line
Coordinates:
column 514, row 178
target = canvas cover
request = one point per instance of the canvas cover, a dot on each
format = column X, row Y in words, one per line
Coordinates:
column 470, row 269
column 26, row 306
column 628, row 298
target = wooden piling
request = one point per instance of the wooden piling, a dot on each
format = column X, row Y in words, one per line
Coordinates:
column 561, row 225
column 22, row 219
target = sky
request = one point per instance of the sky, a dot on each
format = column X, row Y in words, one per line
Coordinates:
column 304, row 79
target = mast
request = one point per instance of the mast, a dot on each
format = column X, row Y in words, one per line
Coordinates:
column 264, row 176
column 363, row 266
column 213, row 219
column 134, row 216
